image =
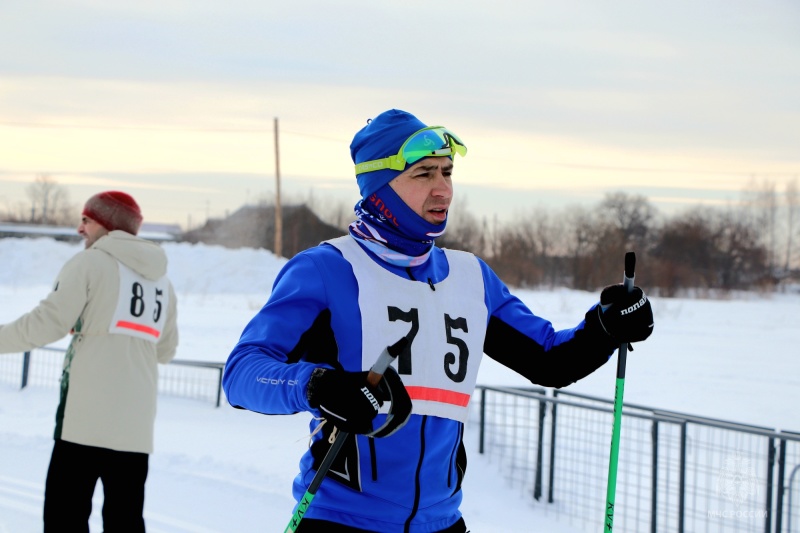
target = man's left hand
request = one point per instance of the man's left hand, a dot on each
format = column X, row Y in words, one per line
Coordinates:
column 625, row 316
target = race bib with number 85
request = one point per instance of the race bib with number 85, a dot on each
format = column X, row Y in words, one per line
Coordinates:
column 141, row 306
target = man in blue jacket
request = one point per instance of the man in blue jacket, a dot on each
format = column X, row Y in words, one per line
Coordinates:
column 335, row 307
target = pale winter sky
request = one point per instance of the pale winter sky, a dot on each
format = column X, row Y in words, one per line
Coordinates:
column 559, row 102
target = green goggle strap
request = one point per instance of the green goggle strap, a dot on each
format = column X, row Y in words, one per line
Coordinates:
column 398, row 161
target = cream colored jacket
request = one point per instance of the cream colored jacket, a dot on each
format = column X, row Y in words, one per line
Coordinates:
column 118, row 303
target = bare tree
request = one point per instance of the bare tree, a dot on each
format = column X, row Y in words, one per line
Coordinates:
column 582, row 231
column 518, row 256
column 49, row 201
column 760, row 200
column 622, row 223
column 15, row 212
column 742, row 261
column 544, row 235
column 708, row 249
column 464, row 230
column 632, row 215
column 684, row 253
column 336, row 213
column 792, row 215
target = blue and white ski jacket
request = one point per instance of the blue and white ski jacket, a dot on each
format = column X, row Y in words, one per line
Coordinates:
column 411, row 480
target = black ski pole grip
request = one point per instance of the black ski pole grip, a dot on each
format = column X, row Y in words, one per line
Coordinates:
column 627, row 282
column 630, row 267
column 385, row 359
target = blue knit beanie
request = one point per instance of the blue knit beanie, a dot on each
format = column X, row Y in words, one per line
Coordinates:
column 381, row 137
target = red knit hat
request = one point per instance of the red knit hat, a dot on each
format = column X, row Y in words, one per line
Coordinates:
column 114, row 210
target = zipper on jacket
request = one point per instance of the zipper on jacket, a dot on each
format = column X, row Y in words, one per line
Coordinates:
column 373, row 459
column 454, row 457
column 417, row 488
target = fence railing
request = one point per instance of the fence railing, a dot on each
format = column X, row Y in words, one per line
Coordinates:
column 188, row 379
column 677, row 472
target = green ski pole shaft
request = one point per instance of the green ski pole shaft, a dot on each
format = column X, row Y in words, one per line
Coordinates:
column 373, row 378
column 608, row 519
column 308, row 497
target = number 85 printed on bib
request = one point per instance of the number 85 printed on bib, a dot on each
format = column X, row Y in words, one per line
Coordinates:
column 141, row 306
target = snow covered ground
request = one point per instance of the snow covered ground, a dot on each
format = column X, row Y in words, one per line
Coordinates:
column 224, row 470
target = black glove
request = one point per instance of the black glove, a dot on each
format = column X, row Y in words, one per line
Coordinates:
column 349, row 402
column 391, row 386
column 625, row 316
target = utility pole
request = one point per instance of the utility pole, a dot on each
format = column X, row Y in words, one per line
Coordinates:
column 278, row 214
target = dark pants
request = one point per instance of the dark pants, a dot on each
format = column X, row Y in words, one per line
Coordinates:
column 71, row 479
column 309, row 525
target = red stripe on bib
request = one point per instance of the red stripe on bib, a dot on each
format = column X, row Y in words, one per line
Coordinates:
column 438, row 395
column 138, row 327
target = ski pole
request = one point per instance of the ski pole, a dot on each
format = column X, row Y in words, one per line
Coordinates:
column 630, row 265
column 374, row 377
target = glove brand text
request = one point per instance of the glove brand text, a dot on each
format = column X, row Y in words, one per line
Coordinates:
column 371, row 398
column 635, row 306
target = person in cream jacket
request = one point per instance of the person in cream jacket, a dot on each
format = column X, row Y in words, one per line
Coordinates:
column 117, row 302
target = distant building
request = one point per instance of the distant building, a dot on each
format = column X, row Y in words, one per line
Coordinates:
column 151, row 232
column 250, row 226
column 167, row 229
column 254, row 227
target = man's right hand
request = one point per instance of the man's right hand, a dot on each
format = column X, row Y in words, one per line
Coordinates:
column 345, row 399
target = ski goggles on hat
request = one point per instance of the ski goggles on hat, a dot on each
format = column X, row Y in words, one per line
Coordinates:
column 434, row 141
